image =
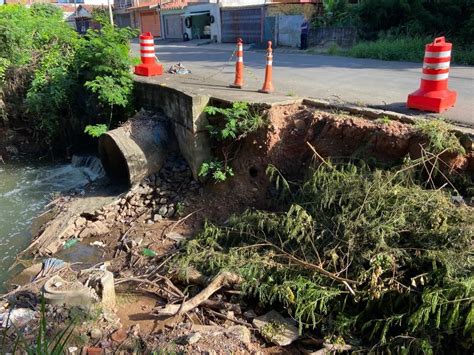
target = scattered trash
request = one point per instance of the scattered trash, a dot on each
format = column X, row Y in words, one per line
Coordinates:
column 178, row 69
column 149, row 252
column 49, row 266
column 98, row 243
column 19, row 317
column 457, row 199
column 70, row 243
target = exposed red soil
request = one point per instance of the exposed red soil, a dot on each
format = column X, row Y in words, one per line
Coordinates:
column 295, row 130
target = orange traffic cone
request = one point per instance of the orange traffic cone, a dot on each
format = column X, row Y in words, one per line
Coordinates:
column 268, row 85
column 239, row 66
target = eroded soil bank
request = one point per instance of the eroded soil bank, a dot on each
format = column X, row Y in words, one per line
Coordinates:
column 139, row 233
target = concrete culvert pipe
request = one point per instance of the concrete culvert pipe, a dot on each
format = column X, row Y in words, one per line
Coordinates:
column 135, row 150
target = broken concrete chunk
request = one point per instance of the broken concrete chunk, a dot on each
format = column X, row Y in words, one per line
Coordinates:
column 96, row 228
column 163, row 211
column 80, row 222
column 239, row 332
column 273, row 327
column 175, row 236
column 189, row 339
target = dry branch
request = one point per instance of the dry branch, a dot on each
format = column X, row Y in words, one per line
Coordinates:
column 225, row 279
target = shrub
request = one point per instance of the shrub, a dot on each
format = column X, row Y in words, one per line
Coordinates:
column 71, row 80
column 403, row 48
column 218, row 170
column 366, row 255
column 229, row 126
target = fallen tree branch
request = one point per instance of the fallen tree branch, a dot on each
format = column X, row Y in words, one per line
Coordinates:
column 225, row 279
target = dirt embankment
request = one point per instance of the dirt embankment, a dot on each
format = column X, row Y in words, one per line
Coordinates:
column 15, row 144
column 139, row 233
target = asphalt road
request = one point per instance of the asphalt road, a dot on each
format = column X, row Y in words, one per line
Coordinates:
column 361, row 81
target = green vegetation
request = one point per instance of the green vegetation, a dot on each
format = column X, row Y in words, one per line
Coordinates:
column 56, row 82
column 235, row 122
column 44, row 343
column 383, row 120
column 365, row 256
column 229, row 125
column 400, row 48
column 218, row 170
column 399, row 29
column 96, row 130
column 440, row 137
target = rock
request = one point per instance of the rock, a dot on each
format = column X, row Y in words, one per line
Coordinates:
column 80, row 222
column 239, row 332
column 250, row 314
column 96, row 228
column 157, row 218
column 175, row 236
column 299, row 124
column 96, row 333
column 119, row 336
column 163, row 200
column 171, row 212
column 163, row 211
column 189, row 339
column 276, row 329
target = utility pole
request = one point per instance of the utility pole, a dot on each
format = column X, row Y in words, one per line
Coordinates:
column 111, row 16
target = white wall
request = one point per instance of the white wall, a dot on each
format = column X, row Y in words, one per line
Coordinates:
column 97, row 2
column 231, row 3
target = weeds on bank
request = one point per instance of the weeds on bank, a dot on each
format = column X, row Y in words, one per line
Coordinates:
column 363, row 255
column 440, row 136
column 399, row 48
column 44, row 344
column 228, row 126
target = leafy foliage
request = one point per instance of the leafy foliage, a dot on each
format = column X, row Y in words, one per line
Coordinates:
column 229, row 126
column 72, row 80
column 416, row 18
column 216, row 169
column 238, row 121
column 366, row 255
column 336, row 13
column 96, row 130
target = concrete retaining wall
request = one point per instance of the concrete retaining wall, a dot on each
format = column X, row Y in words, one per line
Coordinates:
column 187, row 118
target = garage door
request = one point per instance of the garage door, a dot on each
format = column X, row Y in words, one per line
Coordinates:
column 244, row 23
column 173, row 26
column 150, row 22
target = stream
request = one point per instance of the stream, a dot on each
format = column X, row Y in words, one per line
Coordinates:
column 25, row 189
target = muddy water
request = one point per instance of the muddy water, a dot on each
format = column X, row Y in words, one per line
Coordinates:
column 25, row 188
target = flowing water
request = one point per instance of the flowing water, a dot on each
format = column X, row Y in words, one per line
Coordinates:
column 25, row 189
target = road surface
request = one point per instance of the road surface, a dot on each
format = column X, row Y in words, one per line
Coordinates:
column 368, row 82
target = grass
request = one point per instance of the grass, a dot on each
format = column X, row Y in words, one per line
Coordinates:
column 440, row 136
column 409, row 49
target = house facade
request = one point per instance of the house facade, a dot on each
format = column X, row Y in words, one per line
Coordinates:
column 141, row 14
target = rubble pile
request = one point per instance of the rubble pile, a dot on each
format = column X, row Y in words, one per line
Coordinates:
column 158, row 197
